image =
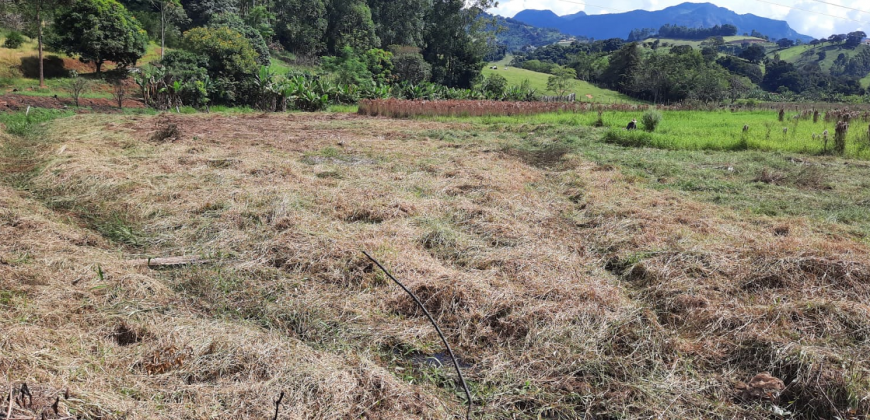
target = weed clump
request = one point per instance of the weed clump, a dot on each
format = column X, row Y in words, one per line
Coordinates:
column 651, row 119
column 840, row 137
column 600, row 121
column 167, row 130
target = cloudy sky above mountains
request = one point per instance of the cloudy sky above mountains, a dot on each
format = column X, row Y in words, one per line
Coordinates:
column 814, row 23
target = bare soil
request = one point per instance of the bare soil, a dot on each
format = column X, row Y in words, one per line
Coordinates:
column 12, row 102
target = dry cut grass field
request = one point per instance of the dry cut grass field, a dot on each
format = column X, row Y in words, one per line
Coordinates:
column 568, row 288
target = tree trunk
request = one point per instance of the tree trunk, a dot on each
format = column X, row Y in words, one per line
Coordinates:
column 39, row 41
column 99, row 65
column 162, row 29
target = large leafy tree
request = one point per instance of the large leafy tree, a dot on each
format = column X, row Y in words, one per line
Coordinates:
column 35, row 13
column 254, row 37
column 350, row 25
column 98, row 31
column 229, row 53
column 301, row 26
column 201, row 12
column 399, row 22
column 455, row 42
column 623, row 66
column 754, row 53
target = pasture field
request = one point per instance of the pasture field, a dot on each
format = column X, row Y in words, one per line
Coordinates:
column 516, row 76
column 710, row 130
column 796, row 54
column 574, row 275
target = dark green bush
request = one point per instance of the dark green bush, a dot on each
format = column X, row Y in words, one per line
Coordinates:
column 13, row 40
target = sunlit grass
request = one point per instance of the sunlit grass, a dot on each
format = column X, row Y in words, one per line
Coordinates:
column 516, row 76
column 707, row 130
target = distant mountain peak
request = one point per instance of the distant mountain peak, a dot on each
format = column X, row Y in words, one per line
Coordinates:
column 693, row 15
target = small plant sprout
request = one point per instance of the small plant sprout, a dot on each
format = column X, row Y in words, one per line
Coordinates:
column 76, row 86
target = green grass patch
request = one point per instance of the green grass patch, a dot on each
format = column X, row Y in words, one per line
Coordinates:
column 516, row 76
column 343, row 108
column 25, row 124
column 700, row 130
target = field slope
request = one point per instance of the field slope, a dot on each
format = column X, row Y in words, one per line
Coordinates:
column 516, row 76
column 573, row 276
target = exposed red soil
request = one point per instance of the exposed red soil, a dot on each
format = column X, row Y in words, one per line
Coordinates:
column 14, row 102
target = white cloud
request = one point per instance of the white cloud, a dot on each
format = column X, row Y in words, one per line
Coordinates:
column 814, row 23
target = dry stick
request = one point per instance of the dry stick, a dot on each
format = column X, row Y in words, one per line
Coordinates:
column 437, row 329
column 278, row 405
column 9, row 410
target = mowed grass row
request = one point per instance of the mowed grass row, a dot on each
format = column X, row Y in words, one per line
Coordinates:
column 711, row 130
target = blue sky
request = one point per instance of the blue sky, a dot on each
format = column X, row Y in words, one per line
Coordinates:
column 814, row 24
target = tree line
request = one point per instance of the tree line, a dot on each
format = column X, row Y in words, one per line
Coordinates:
column 682, row 32
column 212, row 51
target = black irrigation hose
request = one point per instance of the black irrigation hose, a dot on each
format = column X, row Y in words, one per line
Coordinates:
column 437, row 329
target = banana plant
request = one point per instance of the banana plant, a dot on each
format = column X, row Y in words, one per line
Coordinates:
column 265, row 81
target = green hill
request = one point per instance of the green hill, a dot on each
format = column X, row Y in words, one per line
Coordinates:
column 516, row 76
column 825, row 54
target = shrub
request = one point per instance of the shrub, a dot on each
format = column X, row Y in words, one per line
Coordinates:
column 13, row 40
column 651, row 119
column 411, row 68
column 348, row 68
column 380, row 64
column 228, row 52
column 76, row 86
column 494, row 86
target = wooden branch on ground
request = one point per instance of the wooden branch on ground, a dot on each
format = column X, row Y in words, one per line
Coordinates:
column 278, row 405
column 170, row 262
column 9, row 410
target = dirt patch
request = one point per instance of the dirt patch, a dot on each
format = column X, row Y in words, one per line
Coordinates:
column 13, row 103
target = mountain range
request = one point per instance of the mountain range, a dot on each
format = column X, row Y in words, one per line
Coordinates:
column 693, row 15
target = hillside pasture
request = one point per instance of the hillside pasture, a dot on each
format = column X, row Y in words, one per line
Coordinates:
column 807, row 54
column 516, row 76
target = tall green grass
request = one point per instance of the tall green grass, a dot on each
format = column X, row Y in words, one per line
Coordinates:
column 706, row 130
column 23, row 123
